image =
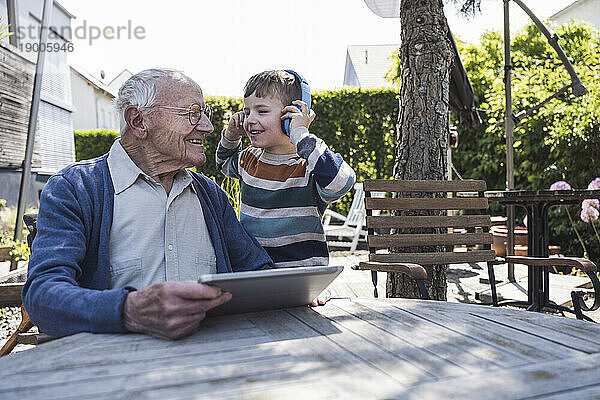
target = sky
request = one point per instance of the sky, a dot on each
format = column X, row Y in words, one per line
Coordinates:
column 221, row 43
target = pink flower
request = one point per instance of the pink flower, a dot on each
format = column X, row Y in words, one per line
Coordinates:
column 595, row 184
column 589, row 214
column 595, row 203
column 560, row 185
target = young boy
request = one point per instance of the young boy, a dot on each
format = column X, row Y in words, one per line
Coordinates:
column 286, row 181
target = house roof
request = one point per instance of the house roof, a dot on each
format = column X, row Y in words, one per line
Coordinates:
column 92, row 80
column 371, row 63
column 118, row 80
column 64, row 10
column 567, row 8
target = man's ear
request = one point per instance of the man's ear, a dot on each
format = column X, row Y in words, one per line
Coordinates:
column 135, row 122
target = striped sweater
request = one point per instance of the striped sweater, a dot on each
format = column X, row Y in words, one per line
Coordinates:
column 283, row 196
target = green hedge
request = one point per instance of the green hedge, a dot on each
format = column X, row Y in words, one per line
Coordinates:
column 91, row 144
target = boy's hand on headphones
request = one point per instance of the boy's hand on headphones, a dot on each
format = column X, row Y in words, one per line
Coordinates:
column 299, row 117
column 235, row 128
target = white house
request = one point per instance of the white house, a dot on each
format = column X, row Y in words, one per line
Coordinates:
column 580, row 10
column 54, row 144
column 366, row 65
column 93, row 100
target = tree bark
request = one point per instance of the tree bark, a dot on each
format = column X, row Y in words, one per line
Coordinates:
column 426, row 58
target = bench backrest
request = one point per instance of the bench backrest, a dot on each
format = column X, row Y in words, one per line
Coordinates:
column 413, row 221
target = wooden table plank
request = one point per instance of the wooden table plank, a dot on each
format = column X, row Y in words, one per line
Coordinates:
column 572, row 327
column 530, row 341
column 588, row 392
column 313, row 389
column 389, row 363
column 439, row 342
column 540, row 379
column 23, row 361
column 107, row 349
column 203, row 377
column 350, row 315
column 183, row 356
column 466, row 351
column 305, row 343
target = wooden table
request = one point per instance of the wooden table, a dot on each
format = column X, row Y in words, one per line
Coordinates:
column 537, row 203
column 360, row 348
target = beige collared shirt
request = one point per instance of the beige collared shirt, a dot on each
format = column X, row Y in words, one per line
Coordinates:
column 155, row 237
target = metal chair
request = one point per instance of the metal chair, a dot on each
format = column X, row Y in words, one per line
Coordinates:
column 421, row 233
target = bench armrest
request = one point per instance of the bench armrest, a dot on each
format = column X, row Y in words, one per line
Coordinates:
column 582, row 264
column 415, row 271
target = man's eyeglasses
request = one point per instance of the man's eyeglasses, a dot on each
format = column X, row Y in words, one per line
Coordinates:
column 194, row 112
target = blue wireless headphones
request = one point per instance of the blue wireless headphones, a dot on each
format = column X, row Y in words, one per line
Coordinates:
column 285, row 124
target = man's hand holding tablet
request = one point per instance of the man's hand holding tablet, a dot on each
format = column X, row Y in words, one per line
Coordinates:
column 273, row 288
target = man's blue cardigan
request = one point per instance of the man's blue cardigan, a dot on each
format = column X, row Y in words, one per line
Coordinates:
column 69, row 269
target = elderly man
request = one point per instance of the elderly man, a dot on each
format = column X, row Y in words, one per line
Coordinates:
column 123, row 238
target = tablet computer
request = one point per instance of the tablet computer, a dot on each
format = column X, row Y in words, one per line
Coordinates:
column 270, row 289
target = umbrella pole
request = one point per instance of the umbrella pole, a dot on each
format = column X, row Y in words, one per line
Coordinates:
column 33, row 113
column 508, row 130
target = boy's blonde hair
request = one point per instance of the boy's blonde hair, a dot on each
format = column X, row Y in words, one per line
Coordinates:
column 276, row 83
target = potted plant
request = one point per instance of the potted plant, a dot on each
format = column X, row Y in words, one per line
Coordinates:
column 499, row 237
column 5, row 245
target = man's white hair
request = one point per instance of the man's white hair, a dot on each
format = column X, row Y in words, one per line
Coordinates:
column 140, row 91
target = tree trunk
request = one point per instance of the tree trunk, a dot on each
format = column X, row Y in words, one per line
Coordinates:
column 426, row 58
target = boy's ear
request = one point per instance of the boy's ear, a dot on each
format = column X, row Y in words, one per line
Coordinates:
column 135, row 122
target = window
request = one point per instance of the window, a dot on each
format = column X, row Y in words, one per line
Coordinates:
column 56, row 81
column 55, row 138
column 102, row 119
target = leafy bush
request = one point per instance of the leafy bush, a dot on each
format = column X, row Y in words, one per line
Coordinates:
column 19, row 250
column 560, row 142
column 8, row 217
column 92, row 144
column 4, row 30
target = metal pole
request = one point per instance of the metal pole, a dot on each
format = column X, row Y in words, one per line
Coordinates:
column 508, row 130
column 33, row 113
column 578, row 88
